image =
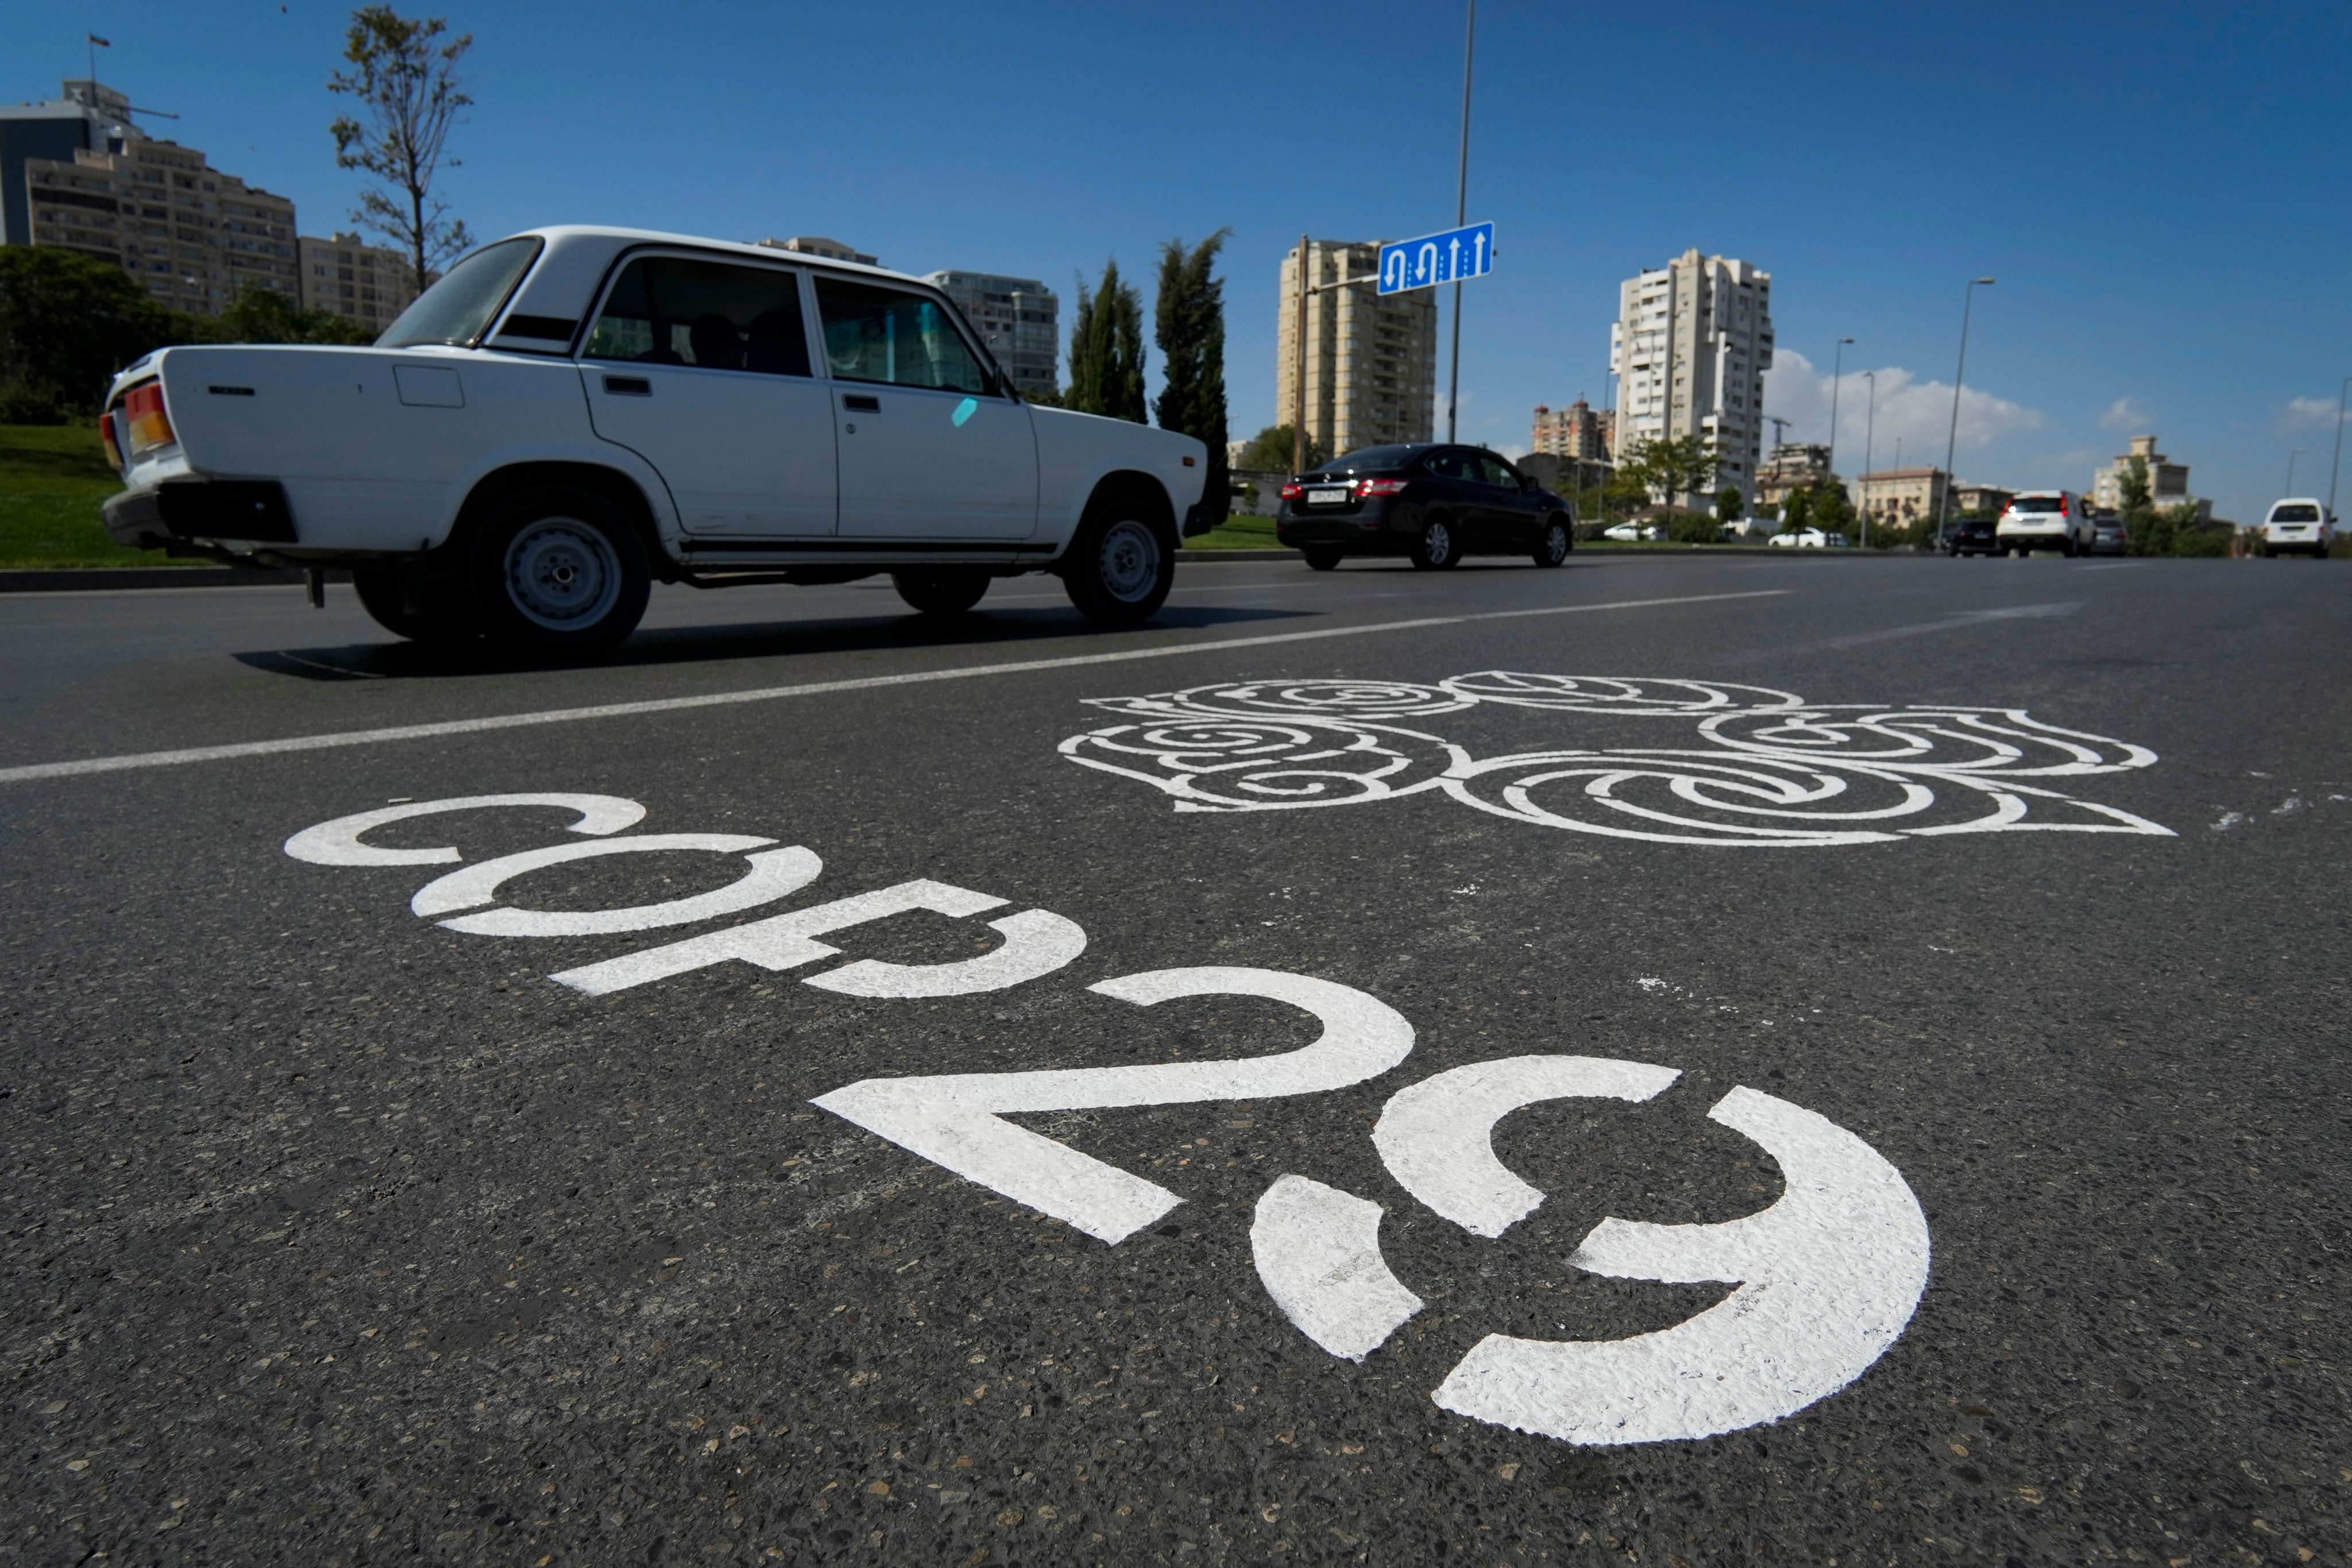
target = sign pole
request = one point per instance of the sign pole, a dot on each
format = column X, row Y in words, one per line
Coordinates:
column 1461, row 212
column 1298, row 372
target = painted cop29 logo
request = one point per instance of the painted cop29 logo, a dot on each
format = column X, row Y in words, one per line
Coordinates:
column 1742, row 765
column 1824, row 1278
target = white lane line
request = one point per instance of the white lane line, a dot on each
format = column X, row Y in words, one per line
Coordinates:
column 31, row 771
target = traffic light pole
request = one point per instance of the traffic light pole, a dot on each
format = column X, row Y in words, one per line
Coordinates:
column 1461, row 217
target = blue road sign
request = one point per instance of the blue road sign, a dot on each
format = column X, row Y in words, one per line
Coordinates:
column 1447, row 257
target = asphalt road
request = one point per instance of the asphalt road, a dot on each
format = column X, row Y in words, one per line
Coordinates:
column 1998, row 1212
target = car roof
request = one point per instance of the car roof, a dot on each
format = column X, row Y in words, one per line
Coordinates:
column 567, row 234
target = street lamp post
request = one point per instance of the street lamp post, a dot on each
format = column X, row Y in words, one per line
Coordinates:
column 1461, row 210
column 1952, row 435
column 1869, row 445
column 1837, row 365
column 2291, row 456
column 2339, row 461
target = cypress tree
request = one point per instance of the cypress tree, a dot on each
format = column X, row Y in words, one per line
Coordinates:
column 1189, row 319
column 1107, row 349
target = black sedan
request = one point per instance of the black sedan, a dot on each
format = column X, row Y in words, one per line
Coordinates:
column 1432, row 504
column 1972, row 536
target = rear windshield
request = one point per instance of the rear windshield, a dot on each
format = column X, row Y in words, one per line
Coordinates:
column 2295, row 514
column 457, row 308
column 2038, row 504
column 1372, row 460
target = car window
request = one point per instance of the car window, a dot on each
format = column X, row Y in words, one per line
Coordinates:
column 456, row 309
column 875, row 333
column 667, row 310
column 2295, row 514
column 1448, row 466
column 1497, row 472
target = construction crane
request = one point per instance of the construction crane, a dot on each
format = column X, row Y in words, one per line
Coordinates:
column 1779, row 429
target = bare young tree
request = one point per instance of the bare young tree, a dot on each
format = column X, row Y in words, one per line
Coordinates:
column 406, row 80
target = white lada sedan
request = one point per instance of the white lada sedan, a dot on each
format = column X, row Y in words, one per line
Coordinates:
column 573, row 414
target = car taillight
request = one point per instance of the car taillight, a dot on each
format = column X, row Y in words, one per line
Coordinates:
column 1293, row 490
column 148, row 427
column 1379, row 486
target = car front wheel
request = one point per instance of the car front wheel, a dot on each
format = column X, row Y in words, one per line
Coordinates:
column 1122, row 561
column 557, row 572
column 1438, row 547
column 1552, row 549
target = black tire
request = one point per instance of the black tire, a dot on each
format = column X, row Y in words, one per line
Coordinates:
column 1319, row 557
column 556, row 573
column 1122, row 560
column 1439, row 546
column 424, row 608
column 947, row 592
column 1558, row 540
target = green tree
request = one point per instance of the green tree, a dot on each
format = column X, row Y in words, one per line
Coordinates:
column 1189, row 323
column 1729, row 503
column 1627, row 491
column 405, row 80
column 1797, row 511
column 2147, row 531
column 1270, row 449
column 1832, row 509
column 260, row 315
column 67, row 322
column 1107, row 349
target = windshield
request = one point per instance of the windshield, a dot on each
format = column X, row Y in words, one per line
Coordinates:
column 457, row 308
column 2295, row 514
column 2038, row 504
column 1370, row 460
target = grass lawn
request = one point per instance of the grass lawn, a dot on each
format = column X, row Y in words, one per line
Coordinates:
column 52, row 481
column 1239, row 531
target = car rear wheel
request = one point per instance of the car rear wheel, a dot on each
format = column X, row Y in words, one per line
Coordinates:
column 1438, row 547
column 947, row 592
column 557, row 572
column 1556, row 542
column 1320, row 557
column 1122, row 561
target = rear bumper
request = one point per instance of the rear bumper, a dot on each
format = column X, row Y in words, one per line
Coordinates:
column 229, row 510
column 1369, row 528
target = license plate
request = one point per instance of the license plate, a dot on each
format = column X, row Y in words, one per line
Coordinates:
column 1331, row 495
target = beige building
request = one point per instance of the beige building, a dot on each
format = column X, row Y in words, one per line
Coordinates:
column 2167, row 482
column 817, row 245
column 1976, row 496
column 370, row 284
column 1793, row 466
column 1372, row 361
column 190, row 233
column 1690, row 347
column 1578, row 431
column 1896, row 497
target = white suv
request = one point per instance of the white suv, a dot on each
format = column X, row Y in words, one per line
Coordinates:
column 2042, row 519
column 573, row 414
column 2301, row 523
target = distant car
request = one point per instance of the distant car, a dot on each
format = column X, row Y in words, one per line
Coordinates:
column 2108, row 535
column 1807, row 539
column 2301, row 524
column 1972, row 536
column 1635, row 533
column 2045, row 519
column 1431, row 502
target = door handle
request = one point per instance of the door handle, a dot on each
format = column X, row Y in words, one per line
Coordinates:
column 858, row 403
column 628, row 387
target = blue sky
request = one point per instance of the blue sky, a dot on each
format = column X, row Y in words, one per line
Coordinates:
column 2160, row 189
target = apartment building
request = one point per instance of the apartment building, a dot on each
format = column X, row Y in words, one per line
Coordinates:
column 1578, row 431
column 369, row 284
column 1690, row 347
column 78, row 174
column 2167, row 482
column 1020, row 320
column 1793, row 466
column 1896, row 497
column 1372, row 361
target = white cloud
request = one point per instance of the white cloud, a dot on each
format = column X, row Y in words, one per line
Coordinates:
column 2124, row 413
column 1917, row 412
column 2309, row 413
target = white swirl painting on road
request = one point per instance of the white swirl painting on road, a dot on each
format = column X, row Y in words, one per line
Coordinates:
column 1746, row 766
